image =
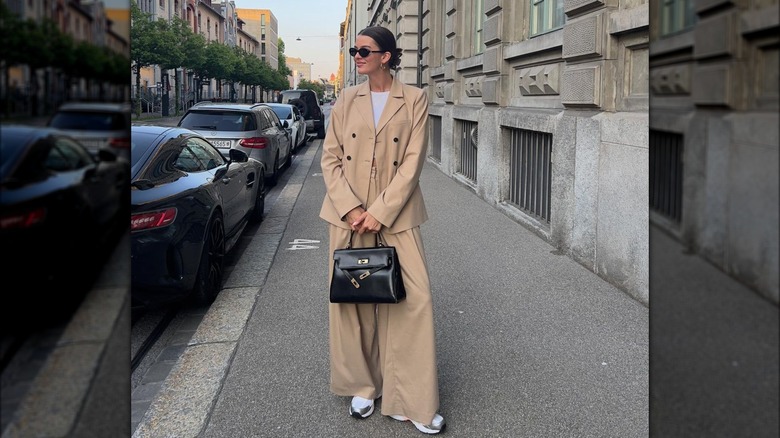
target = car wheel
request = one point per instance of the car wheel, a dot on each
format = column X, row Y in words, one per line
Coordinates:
column 209, row 280
column 321, row 131
column 257, row 212
column 288, row 161
column 274, row 178
column 302, row 107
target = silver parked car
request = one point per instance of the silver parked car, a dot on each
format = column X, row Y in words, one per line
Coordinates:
column 96, row 125
column 252, row 128
column 293, row 122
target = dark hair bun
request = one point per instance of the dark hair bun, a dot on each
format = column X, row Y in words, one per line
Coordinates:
column 386, row 41
column 395, row 58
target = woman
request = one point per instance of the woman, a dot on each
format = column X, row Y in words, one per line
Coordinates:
column 372, row 157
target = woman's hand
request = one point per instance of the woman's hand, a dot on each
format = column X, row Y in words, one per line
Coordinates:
column 366, row 223
column 353, row 216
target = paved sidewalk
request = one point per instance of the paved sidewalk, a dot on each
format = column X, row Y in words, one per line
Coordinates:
column 529, row 343
column 714, row 350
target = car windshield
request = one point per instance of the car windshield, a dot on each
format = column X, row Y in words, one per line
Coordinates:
column 11, row 146
column 140, row 143
column 282, row 112
column 88, row 121
column 219, row 120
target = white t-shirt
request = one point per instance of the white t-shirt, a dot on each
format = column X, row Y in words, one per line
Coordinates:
column 378, row 101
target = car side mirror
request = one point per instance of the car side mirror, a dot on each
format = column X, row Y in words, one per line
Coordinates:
column 285, row 124
column 106, row 155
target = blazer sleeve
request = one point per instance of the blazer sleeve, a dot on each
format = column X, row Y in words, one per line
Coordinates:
column 392, row 200
column 339, row 192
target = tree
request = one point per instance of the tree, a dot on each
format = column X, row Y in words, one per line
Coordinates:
column 220, row 63
column 11, row 40
column 283, row 69
column 173, row 33
column 36, row 48
column 241, row 73
column 194, row 49
column 91, row 62
column 145, row 47
column 142, row 47
column 314, row 86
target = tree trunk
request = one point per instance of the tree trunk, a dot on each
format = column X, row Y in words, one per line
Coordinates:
column 176, row 93
column 8, row 93
column 138, row 89
column 34, row 92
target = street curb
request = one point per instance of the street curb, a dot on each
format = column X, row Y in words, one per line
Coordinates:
column 60, row 392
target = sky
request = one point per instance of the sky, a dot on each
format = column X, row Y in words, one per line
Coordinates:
column 316, row 22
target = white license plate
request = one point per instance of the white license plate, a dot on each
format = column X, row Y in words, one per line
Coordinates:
column 221, row 143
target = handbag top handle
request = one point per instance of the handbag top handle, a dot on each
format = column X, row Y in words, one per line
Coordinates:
column 379, row 240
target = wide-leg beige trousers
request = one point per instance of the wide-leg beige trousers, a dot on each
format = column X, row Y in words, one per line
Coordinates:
column 387, row 349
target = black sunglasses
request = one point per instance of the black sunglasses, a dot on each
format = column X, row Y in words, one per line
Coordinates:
column 364, row 52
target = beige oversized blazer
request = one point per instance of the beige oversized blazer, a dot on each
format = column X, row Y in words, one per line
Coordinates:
column 398, row 143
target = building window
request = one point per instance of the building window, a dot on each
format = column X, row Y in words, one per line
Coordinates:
column 262, row 20
column 666, row 174
column 262, row 49
column 262, row 34
column 530, row 172
column 468, row 149
column 477, row 45
column 435, row 143
column 162, row 3
column 676, row 16
column 546, row 15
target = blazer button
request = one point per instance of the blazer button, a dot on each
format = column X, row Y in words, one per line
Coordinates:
column 353, row 135
column 349, row 157
column 395, row 163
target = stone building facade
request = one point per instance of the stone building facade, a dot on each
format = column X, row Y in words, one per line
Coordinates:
column 714, row 133
column 541, row 108
column 262, row 24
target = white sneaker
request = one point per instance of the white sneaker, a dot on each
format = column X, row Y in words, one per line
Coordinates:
column 361, row 407
column 436, row 426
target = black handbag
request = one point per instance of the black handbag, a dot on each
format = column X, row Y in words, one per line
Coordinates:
column 366, row 275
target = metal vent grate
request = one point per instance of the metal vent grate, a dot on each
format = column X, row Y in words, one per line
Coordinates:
column 435, row 145
column 666, row 174
column 531, row 172
column 468, row 150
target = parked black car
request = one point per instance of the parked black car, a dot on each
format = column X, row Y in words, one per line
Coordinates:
column 189, row 206
column 62, row 209
column 309, row 106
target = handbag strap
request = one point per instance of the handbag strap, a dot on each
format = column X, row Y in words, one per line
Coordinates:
column 379, row 240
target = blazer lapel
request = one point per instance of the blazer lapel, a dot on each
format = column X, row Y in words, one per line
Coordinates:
column 363, row 105
column 394, row 102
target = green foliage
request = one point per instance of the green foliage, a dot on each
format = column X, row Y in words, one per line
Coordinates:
column 283, row 69
column 314, row 86
column 40, row 44
column 220, row 61
column 142, row 35
column 11, row 36
column 172, row 44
